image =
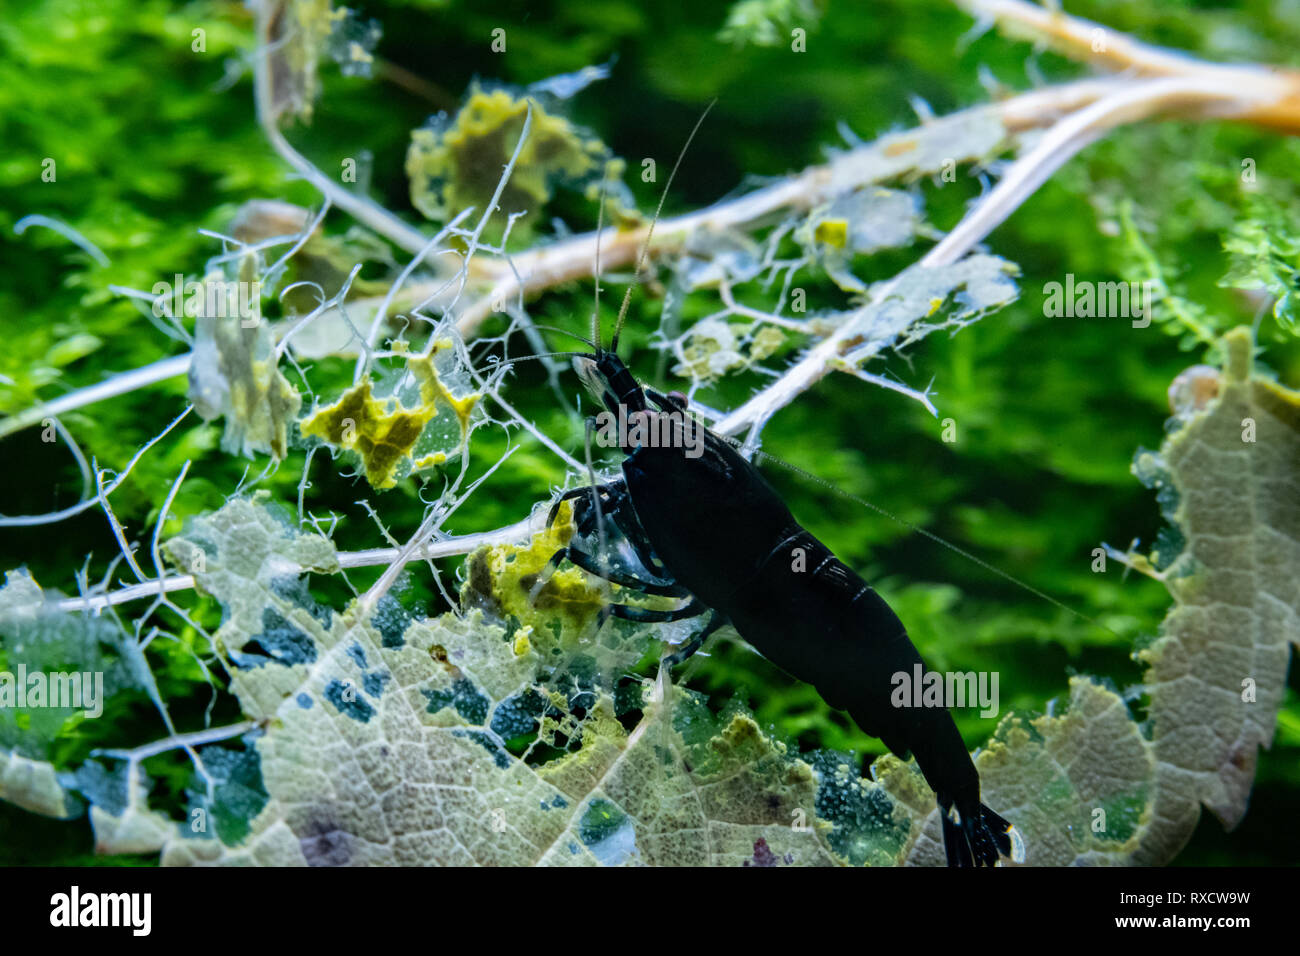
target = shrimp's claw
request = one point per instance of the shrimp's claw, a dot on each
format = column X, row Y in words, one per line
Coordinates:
column 979, row 837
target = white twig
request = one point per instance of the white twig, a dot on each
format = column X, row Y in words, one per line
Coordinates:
column 1067, row 137
column 893, row 386
column 66, row 231
column 119, row 384
column 116, row 526
column 445, row 547
column 1065, row 140
column 162, row 518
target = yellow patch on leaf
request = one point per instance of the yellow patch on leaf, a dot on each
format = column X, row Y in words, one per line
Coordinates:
column 458, row 166
column 833, row 232
column 382, row 431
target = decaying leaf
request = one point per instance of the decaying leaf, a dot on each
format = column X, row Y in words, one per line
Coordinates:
column 408, row 430
column 455, row 164
column 386, row 736
column 302, row 33
column 234, row 373
column 713, row 348
column 34, row 785
column 58, row 669
column 1091, row 785
column 1217, row 671
column 859, row 223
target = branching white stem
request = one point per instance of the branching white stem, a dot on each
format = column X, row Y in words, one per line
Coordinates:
column 516, row 533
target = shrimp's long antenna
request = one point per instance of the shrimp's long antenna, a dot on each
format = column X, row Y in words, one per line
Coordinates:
column 572, row 335
column 962, row 552
column 542, row 355
column 645, row 246
column 600, row 226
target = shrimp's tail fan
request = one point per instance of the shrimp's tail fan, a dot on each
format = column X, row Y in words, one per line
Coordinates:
column 979, row 837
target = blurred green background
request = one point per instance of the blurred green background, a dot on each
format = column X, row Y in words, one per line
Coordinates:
column 154, row 142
